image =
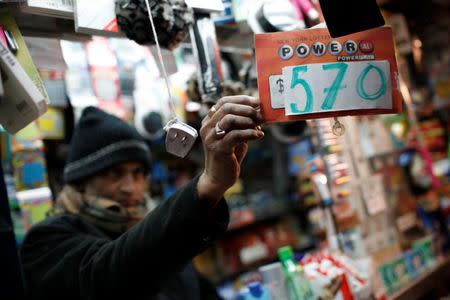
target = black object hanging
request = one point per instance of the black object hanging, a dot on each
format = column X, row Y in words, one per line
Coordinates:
column 347, row 17
column 172, row 20
column 206, row 50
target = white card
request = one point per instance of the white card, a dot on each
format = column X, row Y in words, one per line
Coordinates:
column 374, row 194
column 318, row 88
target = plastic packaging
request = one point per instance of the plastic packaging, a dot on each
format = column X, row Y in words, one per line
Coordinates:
column 273, row 279
column 257, row 292
column 299, row 287
column 308, row 9
column 206, row 50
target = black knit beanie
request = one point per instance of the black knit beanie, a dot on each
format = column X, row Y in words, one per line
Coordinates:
column 101, row 140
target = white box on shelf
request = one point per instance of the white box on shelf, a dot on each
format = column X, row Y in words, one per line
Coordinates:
column 96, row 17
column 54, row 8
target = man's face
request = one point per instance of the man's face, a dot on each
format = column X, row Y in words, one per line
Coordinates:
column 125, row 183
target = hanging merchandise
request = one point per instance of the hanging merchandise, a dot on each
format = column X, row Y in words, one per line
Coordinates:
column 172, row 20
column 180, row 137
column 77, row 77
column 150, row 101
column 105, row 76
column 274, row 16
column 325, row 77
column 17, row 45
column 305, row 8
column 206, row 50
column 25, row 98
column 96, row 17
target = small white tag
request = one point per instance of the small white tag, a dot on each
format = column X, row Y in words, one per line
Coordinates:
column 180, row 138
column 276, row 86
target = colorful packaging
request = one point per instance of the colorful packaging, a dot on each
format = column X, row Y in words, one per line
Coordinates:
column 415, row 262
column 425, row 247
column 401, row 276
column 388, row 277
column 274, row 280
column 34, row 205
column 299, row 287
column 29, row 168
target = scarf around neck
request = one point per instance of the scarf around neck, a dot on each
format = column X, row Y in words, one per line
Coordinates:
column 107, row 214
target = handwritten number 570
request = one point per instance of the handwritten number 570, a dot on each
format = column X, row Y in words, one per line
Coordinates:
column 333, row 90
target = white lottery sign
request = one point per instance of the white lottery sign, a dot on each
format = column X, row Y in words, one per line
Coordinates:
column 327, row 87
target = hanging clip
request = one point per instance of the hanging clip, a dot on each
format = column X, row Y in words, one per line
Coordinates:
column 180, row 137
column 338, row 128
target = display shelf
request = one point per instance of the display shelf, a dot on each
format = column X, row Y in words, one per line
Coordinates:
column 45, row 26
column 424, row 284
column 253, row 267
column 236, row 37
column 237, row 227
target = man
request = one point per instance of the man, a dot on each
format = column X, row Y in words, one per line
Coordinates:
column 100, row 246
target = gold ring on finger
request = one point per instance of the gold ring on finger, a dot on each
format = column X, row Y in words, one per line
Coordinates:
column 212, row 111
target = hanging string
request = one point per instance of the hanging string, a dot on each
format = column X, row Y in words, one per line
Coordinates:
column 163, row 67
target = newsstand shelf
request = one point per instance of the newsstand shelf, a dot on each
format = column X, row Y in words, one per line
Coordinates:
column 430, row 281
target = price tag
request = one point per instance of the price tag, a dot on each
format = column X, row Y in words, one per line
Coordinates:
column 337, row 86
column 306, row 74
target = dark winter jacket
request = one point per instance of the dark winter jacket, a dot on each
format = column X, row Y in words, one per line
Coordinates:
column 67, row 258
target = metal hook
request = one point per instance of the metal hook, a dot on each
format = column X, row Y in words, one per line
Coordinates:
column 338, row 128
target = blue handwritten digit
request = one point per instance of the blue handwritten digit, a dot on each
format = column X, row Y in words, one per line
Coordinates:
column 333, row 90
column 360, row 84
column 296, row 80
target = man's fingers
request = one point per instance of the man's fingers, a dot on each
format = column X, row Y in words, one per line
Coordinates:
column 240, row 151
column 235, row 137
column 230, row 122
column 236, row 109
column 240, row 99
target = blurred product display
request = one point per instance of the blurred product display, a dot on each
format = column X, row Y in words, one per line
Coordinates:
column 348, row 207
